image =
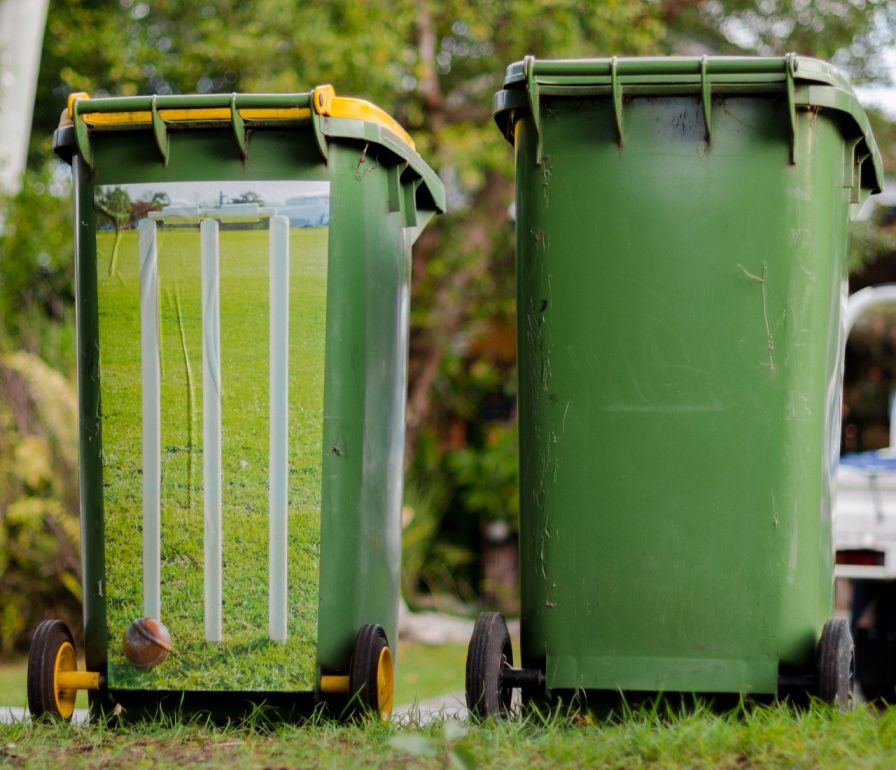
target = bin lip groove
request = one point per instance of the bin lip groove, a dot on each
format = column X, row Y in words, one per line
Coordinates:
column 819, row 85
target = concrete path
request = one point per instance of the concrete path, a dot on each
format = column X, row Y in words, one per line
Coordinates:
column 11, row 715
column 450, row 706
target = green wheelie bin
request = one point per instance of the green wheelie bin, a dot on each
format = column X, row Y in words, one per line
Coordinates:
column 682, row 229
column 242, row 287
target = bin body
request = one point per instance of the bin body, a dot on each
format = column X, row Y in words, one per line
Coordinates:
column 242, row 323
column 681, row 270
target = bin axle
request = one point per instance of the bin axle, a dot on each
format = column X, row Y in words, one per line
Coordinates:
column 522, row 677
column 78, row 680
column 335, row 685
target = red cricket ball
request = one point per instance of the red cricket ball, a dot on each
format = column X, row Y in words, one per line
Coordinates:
column 146, row 642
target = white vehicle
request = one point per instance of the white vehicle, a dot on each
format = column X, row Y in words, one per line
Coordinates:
column 865, row 516
column 864, row 521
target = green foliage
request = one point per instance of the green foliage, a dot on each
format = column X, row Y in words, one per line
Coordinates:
column 36, row 270
column 869, row 244
column 852, row 33
column 39, row 536
column 421, row 523
column 113, row 207
column 885, row 135
column 487, row 477
column 435, row 66
column 449, row 746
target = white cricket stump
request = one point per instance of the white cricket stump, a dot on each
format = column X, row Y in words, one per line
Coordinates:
column 151, row 416
column 211, row 424
column 278, row 471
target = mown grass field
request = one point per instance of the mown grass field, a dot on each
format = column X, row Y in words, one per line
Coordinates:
column 246, row 659
column 769, row 737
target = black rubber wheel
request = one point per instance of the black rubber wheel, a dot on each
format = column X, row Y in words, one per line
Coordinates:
column 876, row 665
column 836, row 664
column 876, row 646
column 52, row 649
column 371, row 674
column 489, row 653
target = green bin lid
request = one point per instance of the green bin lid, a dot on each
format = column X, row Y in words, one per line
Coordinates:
column 814, row 84
column 330, row 116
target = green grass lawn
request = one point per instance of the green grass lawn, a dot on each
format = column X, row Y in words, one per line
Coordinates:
column 763, row 737
column 774, row 738
column 245, row 659
column 14, row 687
column 425, row 671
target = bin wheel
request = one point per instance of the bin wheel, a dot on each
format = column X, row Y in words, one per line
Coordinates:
column 52, row 651
column 836, row 664
column 488, row 655
column 372, row 675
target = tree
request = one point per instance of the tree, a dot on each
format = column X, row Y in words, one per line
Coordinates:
column 250, row 196
column 435, row 66
column 113, row 207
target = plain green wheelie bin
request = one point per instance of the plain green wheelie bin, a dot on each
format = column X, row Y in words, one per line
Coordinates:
column 243, row 280
column 682, row 234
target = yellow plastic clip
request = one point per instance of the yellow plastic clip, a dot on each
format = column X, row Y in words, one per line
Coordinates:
column 328, row 104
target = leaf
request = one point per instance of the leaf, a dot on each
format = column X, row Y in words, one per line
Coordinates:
column 414, row 744
column 454, row 730
column 461, row 758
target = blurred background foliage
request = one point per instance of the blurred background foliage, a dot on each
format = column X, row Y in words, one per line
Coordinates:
column 435, row 66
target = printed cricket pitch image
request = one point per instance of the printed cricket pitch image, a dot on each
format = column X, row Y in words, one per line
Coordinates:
column 223, row 634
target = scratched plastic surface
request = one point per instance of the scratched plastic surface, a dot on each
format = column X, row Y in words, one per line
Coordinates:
column 680, row 371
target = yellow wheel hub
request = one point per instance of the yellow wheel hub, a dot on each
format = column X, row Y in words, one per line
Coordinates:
column 385, row 683
column 65, row 698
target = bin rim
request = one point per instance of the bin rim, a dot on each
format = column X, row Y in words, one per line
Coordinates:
column 331, row 117
column 817, row 84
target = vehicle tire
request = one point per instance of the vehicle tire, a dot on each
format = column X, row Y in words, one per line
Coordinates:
column 52, row 650
column 372, row 674
column 876, row 664
column 489, row 653
column 836, row 664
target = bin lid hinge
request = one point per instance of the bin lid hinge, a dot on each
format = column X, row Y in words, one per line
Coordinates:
column 790, row 67
column 706, row 98
column 317, row 122
column 532, row 88
column 616, row 89
column 239, row 128
column 82, row 135
column 160, row 131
